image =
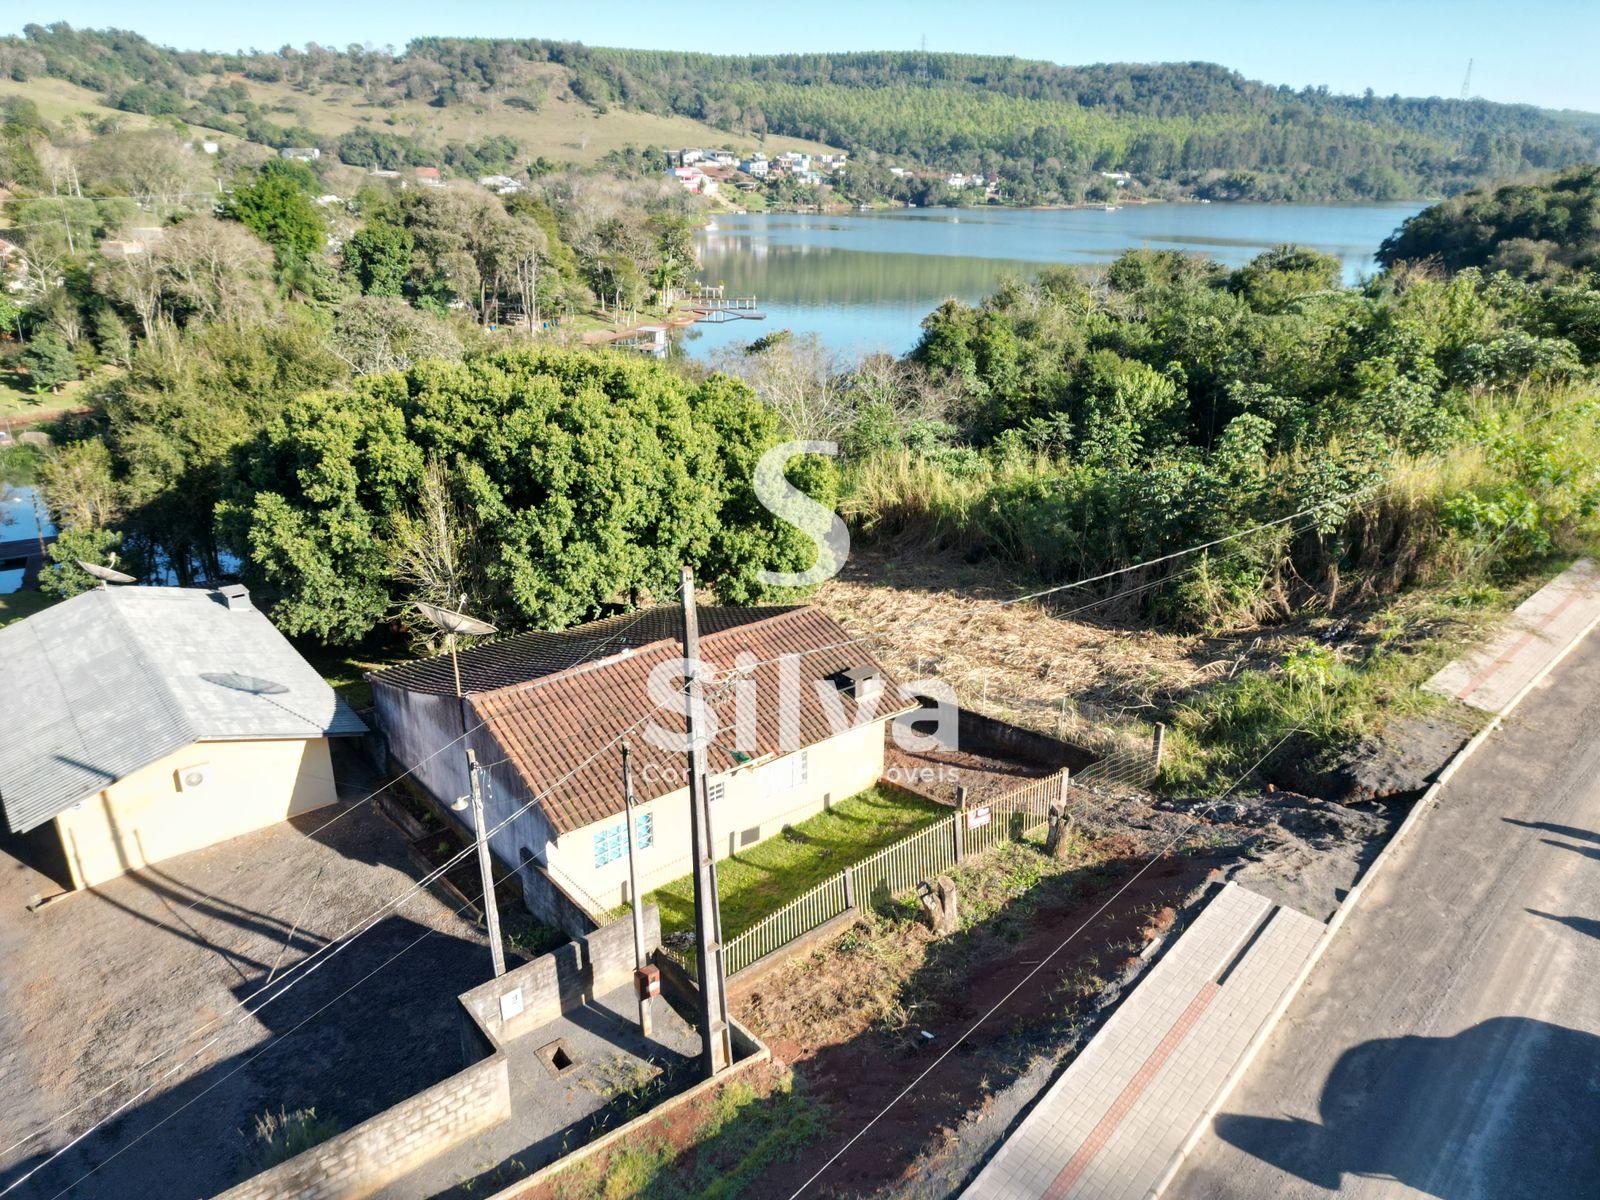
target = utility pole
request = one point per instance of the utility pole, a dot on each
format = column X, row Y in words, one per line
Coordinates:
column 491, row 910
column 716, row 1036
column 636, row 902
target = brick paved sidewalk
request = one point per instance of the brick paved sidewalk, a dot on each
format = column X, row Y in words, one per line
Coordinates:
column 1109, row 1126
column 1542, row 628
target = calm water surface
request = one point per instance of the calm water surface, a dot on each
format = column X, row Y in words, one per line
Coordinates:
column 863, row 282
column 17, row 511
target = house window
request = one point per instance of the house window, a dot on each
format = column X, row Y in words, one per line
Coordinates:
column 611, row 844
column 783, row 776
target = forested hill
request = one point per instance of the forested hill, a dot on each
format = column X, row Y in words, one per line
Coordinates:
column 1047, row 130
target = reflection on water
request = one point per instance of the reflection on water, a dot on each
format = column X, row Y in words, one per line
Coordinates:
column 22, row 518
column 863, row 282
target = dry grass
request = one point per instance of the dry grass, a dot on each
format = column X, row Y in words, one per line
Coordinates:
column 934, row 616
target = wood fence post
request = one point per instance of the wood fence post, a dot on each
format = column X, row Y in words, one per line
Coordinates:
column 849, row 887
column 957, row 820
column 1158, row 744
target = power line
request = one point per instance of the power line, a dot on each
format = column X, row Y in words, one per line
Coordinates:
column 1089, row 920
column 304, row 964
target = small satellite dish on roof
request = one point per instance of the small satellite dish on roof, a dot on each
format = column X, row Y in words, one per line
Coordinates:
column 451, row 621
column 244, row 683
column 106, row 575
column 455, row 624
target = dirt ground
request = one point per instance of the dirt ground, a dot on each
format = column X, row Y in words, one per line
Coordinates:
column 157, row 963
column 941, row 774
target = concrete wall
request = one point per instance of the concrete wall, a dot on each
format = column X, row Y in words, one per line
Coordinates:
column 561, row 980
column 146, row 817
column 839, row 767
column 981, row 734
column 361, row 1161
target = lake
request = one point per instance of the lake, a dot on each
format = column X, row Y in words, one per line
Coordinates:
column 862, row 282
column 18, row 509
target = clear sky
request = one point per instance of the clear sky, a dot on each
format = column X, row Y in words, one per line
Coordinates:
column 1537, row 51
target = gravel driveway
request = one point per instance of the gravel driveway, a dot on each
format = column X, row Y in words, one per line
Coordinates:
column 95, row 984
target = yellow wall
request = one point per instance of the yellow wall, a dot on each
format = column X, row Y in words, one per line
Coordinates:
column 840, row 767
column 145, row 818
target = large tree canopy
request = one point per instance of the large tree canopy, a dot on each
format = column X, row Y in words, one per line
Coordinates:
column 575, row 480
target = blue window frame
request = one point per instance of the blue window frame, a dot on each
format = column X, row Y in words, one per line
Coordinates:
column 611, row 844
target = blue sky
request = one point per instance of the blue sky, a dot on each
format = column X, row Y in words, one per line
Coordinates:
column 1540, row 51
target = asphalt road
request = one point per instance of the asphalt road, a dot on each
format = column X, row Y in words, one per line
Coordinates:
column 1448, row 1044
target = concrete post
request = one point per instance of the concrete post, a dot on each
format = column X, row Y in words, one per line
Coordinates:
column 491, row 910
column 716, row 1035
column 849, row 887
column 1158, row 745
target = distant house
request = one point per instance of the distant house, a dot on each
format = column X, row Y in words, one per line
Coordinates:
column 159, row 720
column 724, row 158
column 694, row 180
column 756, row 165
column 121, row 248
column 539, row 706
column 690, row 155
column 210, row 147
column 502, row 185
column 1120, row 178
column 428, row 176
column 301, row 153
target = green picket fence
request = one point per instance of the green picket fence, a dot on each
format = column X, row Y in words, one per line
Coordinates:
column 896, row 870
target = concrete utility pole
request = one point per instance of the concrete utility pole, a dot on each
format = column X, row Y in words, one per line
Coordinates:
column 636, row 902
column 491, row 910
column 716, row 1036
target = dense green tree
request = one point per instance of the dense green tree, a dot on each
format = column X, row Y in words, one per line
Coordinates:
column 278, row 208
column 378, row 258
column 1545, row 229
column 588, row 479
column 49, row 361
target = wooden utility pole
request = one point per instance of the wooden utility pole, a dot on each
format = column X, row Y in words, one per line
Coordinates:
column 634, row 899
column 716, row 1036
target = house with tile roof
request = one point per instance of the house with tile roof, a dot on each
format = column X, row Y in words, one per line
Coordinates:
column 150, row 721
column 796, row 712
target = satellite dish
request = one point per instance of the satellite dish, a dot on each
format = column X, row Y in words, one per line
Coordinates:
column 451, row 621
column 244, row 683
column 106, row 575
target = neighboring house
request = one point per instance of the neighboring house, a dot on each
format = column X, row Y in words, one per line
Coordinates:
column 690, row 155
column 502, row 185
column 150, row 721
column 803, row 727
column 121, row 248
column 429, row 176
column 210, row 147
column 302, row 153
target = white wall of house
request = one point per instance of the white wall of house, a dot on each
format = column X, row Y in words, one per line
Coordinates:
column 206, row 793
column 748, row 805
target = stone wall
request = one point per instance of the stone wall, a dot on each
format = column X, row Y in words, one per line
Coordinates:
column 361, row 1161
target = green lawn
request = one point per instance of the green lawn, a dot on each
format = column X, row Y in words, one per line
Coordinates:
column 756, row 881
column 16, row 605
column 20, row 404
column 344, row 668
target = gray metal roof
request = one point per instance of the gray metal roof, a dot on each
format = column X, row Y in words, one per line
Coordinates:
column 107, row 682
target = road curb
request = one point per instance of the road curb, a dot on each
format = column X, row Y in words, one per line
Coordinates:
column 1419, row 810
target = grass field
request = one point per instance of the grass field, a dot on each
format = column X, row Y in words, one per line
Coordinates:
column 21, row 406
column 756, row 881
column 563, row 129
column 16, row 605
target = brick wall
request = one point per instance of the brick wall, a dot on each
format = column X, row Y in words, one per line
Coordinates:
column 378, row 1151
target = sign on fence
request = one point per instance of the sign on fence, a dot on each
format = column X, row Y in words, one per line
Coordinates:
column 977, row 817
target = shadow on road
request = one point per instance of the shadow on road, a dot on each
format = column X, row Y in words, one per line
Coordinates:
column 1584, row 925
column 1571, row 831
column 1470, row 1115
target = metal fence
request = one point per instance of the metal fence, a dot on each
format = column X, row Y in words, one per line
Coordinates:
column 897, row 869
